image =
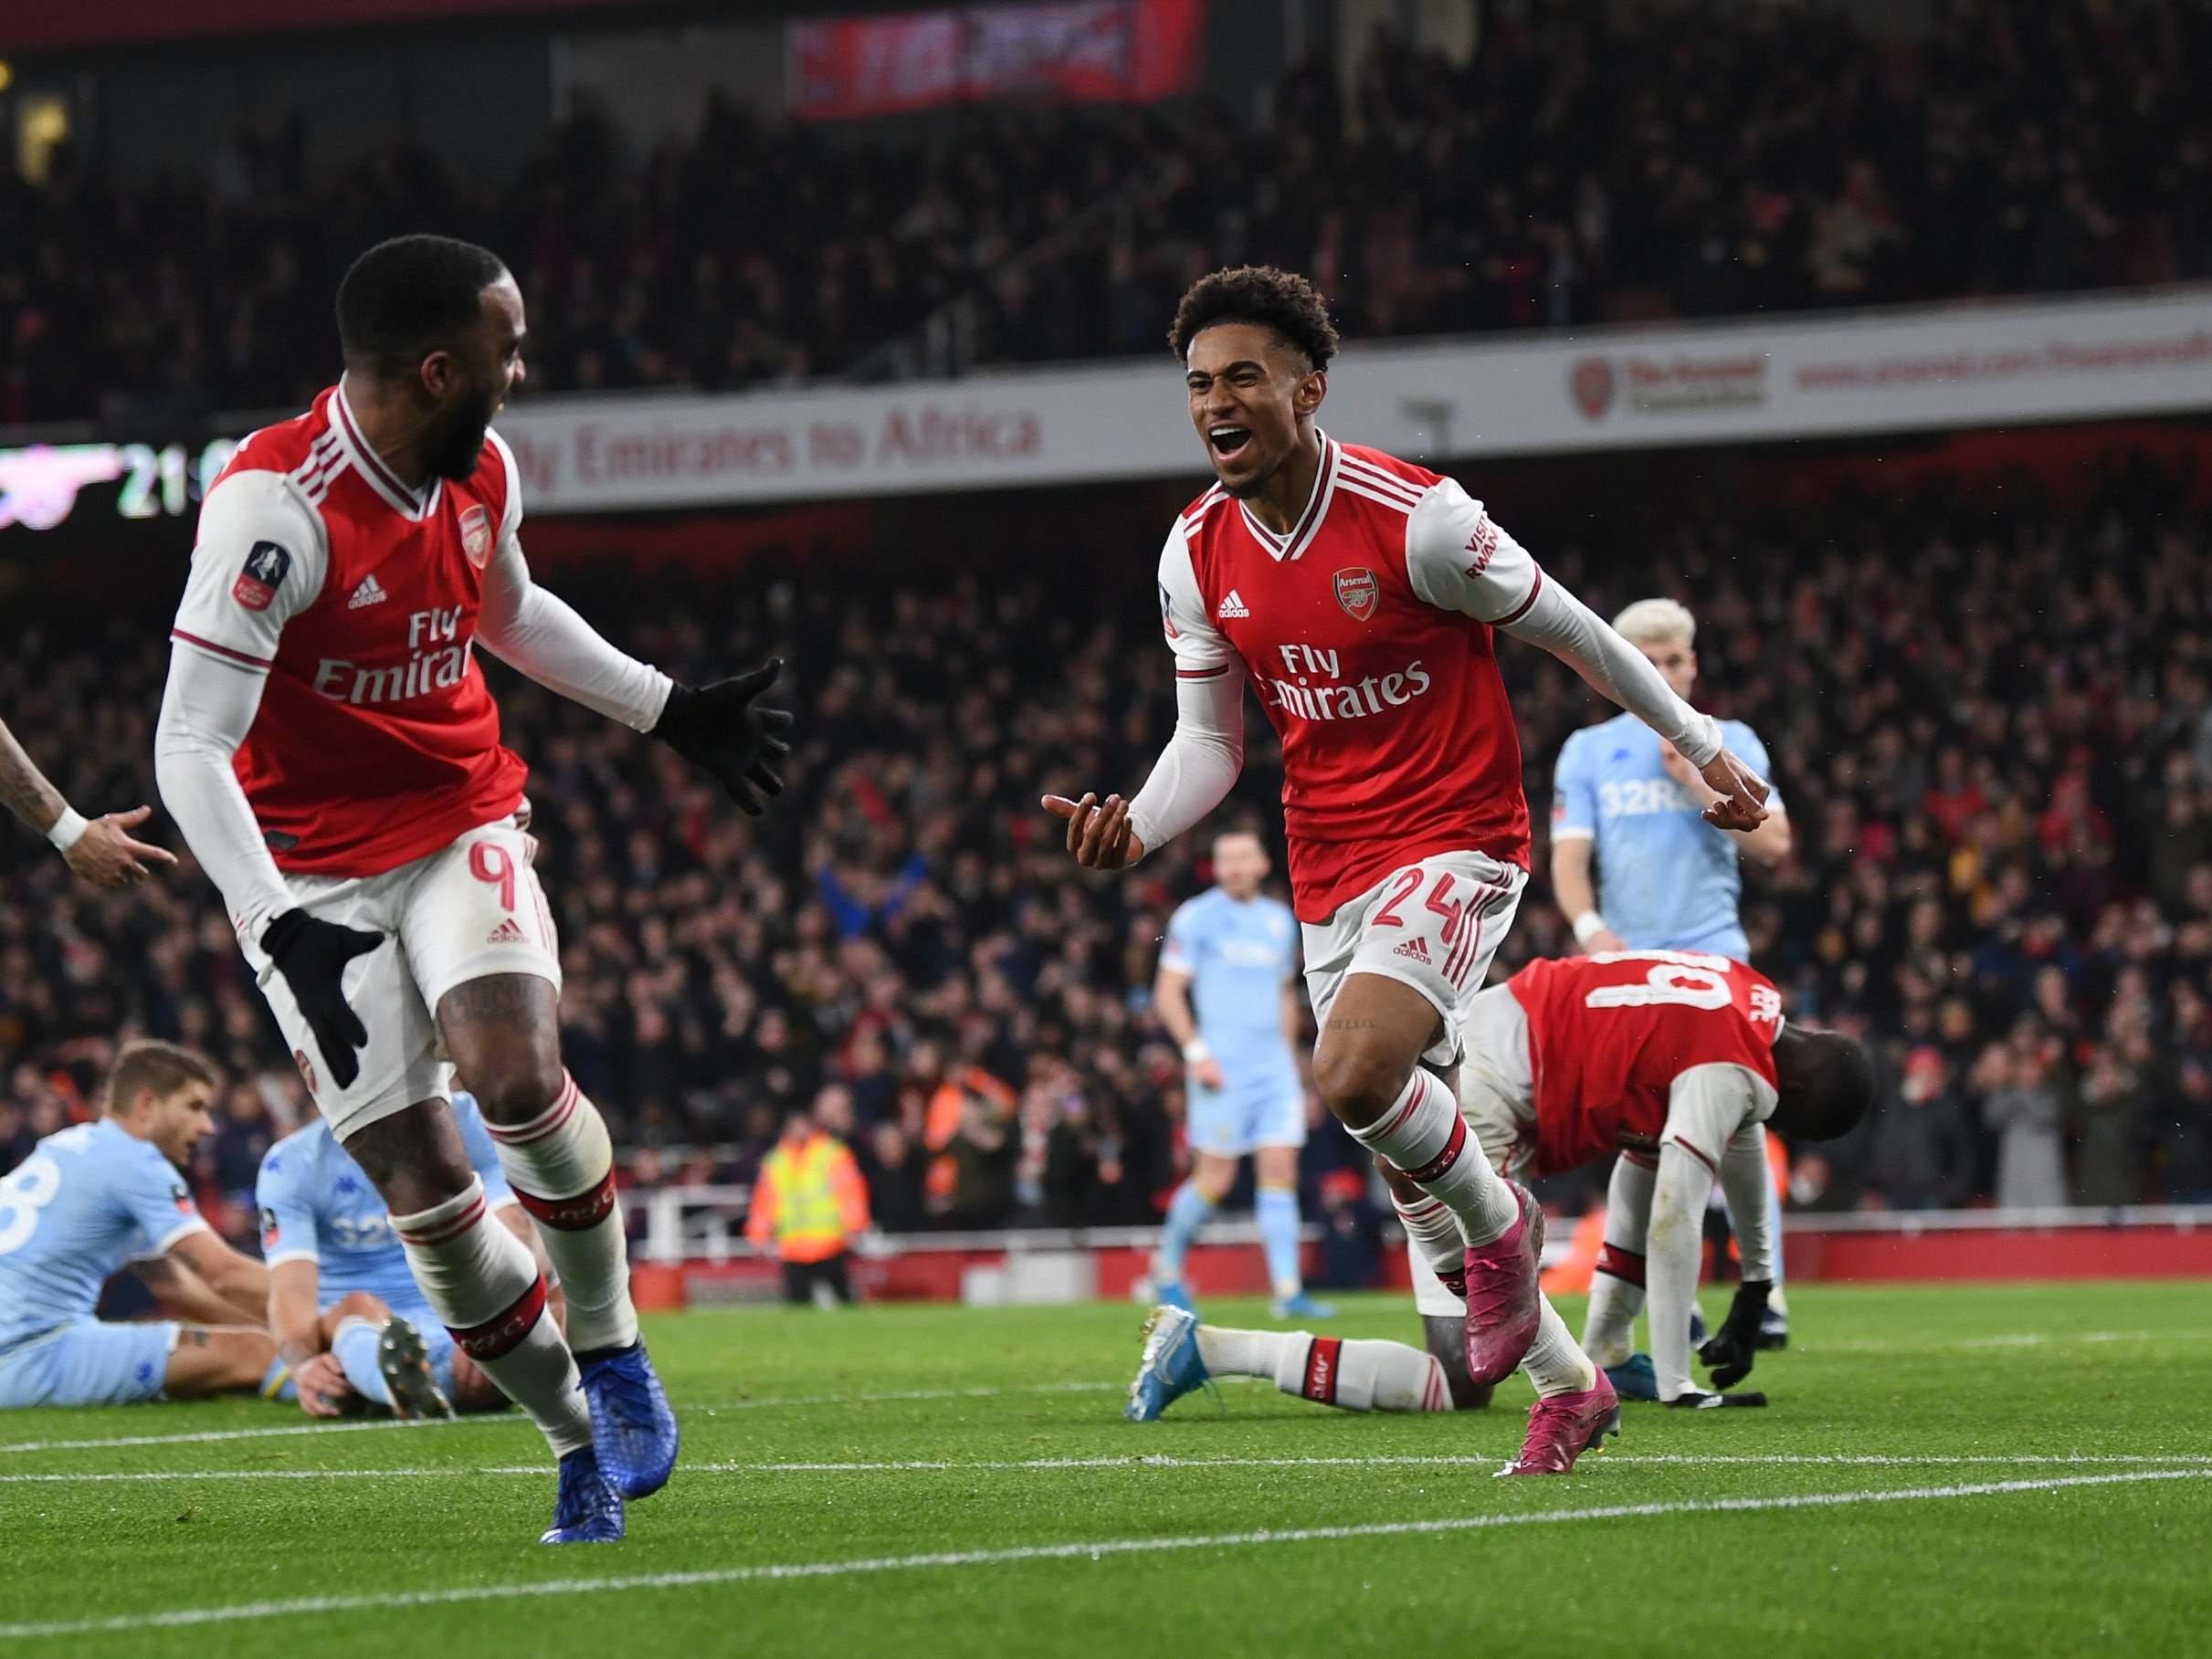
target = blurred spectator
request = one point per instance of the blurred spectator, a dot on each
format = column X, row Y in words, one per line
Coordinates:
column 2021, row 1107
column 894, row 1179
column 1923, row 1159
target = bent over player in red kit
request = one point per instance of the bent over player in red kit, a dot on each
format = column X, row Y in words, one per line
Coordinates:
column 1675, row 1060
column 1359, row 594
column 331, row 752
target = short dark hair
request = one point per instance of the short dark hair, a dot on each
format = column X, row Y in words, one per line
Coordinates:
column 405, row 298
column 1279, row 300
column 163, row 1067
column 1827, row 1083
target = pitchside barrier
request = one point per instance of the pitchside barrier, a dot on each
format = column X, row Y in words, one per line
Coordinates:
column 693, row 1250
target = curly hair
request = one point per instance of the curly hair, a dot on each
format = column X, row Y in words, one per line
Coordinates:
column 1282, row 300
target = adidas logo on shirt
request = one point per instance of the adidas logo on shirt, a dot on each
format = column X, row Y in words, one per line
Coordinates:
column 368, row 593
column 507, row 933
column 1233, row 606
column 1414, row 949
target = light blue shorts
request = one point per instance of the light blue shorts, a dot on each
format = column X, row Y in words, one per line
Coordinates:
column 1230, row 1122
column 88, row 1364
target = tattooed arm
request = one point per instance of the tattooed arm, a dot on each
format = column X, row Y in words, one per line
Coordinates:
column 102, row 851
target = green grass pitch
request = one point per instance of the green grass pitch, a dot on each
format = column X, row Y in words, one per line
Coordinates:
column 2020, row 1470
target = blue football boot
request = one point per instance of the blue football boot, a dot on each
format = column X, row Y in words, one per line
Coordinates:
column 633, row 1428
column 1171, row 1366
column 1633, row 1378
column 586, row 1510
column 1303, row 1307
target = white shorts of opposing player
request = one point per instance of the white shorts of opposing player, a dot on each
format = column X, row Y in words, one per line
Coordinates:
column 1434, row 926
column 473, row 908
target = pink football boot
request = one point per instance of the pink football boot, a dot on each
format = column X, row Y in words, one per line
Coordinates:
column 1502, row 1306
column 1564, row 1427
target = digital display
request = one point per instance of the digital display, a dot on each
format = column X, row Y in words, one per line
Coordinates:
column 41, row 487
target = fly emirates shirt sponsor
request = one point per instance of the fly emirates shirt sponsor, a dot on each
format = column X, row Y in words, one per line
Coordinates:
column 1367, row 632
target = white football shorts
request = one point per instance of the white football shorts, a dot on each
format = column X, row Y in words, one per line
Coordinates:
column 1434, row 926
column 473, row 908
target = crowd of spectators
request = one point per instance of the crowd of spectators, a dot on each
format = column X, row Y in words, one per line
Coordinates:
column 1587, row 163
column 1992, row 720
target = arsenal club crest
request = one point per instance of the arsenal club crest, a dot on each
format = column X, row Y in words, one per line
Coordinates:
column 476, row 535
column 1358, row 592
column 1591, row 381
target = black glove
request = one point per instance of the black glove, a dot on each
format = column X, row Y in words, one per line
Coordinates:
column 1694, row 1401
column 312, row 955
column 1728, row 1351
column 719, row 727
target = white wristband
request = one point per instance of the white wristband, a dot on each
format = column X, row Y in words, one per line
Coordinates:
column 1195, row 1051
column 68, row 830
column 1588, row 924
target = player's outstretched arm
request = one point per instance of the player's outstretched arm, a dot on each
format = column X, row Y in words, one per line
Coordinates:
column 100, row 850
column 1458, row 558
column 1193, row 776
column 183, row 1292
column 241, row 1280
column 720, row 727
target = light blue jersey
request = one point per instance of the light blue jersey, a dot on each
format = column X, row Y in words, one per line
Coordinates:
column 1667, row 880
column 88, row 1201
column 1239, row 956
column 317, row 1206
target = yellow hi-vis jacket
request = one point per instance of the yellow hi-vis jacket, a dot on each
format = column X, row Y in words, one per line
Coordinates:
column 809, row 1199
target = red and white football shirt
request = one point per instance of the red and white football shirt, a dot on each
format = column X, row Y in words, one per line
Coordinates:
column 1367, row 634
column 1609, row 1034
column 377, row 741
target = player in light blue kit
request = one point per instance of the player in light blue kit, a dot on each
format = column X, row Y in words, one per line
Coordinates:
column 339, row 1280
column 1236, row 955
column 97, row 1197
column 1671, row 881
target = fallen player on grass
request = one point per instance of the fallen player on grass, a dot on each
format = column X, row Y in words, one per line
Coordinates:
column 1678, row 1062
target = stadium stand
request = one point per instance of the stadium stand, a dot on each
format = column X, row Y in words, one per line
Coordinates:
column 1553, row 180
column 1993, row 730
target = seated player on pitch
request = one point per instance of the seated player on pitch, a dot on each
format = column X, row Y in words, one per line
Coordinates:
column 343, row 1306
column 1675, row 1059
column 97, row 1197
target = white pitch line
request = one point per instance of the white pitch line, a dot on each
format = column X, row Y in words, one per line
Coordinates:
column 1092, row 1550
column 209, row 1436
column 2023, row 1339
column 2179, row 1461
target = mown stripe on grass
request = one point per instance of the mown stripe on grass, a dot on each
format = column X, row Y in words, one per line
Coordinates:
column 925, row 1465
column 890, row 1397
column 1093, row 1549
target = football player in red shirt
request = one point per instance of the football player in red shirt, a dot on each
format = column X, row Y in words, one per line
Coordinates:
column 330, row 751
column 1674, row 1059
column 1359, row 595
